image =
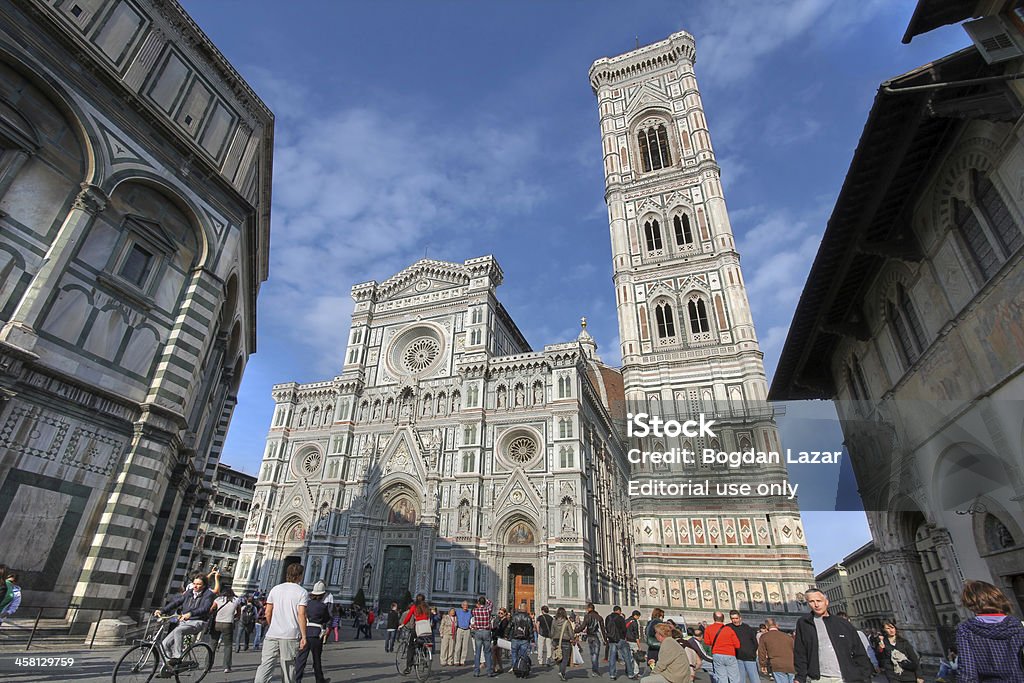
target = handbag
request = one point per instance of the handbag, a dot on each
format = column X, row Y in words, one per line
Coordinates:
column 423, row 628
column 505, row 644
column 577, row 656
column 556, row 652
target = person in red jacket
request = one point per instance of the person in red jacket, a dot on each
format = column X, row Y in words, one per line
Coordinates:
column 418, row 611
column 723, row 643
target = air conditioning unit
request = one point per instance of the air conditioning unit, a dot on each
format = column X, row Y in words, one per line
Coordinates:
column 996, row 38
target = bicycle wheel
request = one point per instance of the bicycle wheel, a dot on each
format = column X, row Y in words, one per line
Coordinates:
column 401, row 651
column 424, row 660
column 195, row 663
column 137, row 665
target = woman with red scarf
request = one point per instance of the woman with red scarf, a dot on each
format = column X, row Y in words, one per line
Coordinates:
column 418, row 611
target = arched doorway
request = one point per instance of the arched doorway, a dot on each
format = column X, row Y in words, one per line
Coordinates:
column 518, row 540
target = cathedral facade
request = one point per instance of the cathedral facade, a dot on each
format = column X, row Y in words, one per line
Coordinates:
column 447, row 458
column 450, row 458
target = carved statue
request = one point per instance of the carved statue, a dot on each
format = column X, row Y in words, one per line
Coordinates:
column 367, row 573
column 538, row 394
column 568, row 522
column 520, row 395
column 501, row 394
column 463, row 518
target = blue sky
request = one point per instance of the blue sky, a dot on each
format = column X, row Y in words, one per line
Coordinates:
column 455, row 128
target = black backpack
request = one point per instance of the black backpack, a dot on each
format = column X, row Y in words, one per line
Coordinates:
column 248, row 615
column 522, row 667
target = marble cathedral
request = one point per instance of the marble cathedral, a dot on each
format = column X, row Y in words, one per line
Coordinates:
column 448, row 457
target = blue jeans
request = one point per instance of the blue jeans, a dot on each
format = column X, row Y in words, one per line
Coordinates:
column 482, row 640
column 595, row 652
column 727, row 670
column 782, row 678
column 616, row 651
column 710, row 669
column 748, row 670
column 520, row 648
column 258, row 638
column 389, row 643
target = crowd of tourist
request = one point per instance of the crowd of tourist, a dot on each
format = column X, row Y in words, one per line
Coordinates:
column 291, row 625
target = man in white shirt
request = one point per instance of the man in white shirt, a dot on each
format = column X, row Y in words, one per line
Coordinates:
column 286, row 627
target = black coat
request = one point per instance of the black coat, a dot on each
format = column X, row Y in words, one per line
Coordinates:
column 748, row 642
column 885, row 659
column 853, row 658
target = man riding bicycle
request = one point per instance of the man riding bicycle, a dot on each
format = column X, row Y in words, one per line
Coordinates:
column 193, row 606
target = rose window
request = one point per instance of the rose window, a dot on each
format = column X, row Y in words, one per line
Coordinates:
column 420, row 353
column 311, row 463
column 522, row 449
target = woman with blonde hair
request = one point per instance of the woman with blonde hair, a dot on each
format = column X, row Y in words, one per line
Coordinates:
column 989, row 645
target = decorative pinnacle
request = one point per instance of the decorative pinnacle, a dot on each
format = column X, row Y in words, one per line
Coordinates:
column 583, row 322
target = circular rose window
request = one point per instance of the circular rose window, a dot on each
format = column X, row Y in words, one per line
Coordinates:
column 311, row 463
column 522, row 450
column 419, row 354
column 416, row 352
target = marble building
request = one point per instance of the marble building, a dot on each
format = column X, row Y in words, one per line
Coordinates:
column 135, row 169
column 910, row 320
column 450, row 458
column 688, row 344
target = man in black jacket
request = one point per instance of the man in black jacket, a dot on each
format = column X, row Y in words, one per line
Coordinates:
column 521, row 634
column 827, row 649
column 393, row 616
column 194, row 607
column 746, row 655
column 615, row 632
column 592, row 629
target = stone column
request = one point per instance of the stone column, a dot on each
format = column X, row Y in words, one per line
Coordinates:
column 20, row 330
column 912, row 606
column 944, row 547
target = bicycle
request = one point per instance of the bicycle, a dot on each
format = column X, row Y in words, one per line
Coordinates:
column 146, row 659
column 423, row 658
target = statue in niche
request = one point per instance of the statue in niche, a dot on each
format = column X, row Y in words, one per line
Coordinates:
column 367, row 573
column 568, row 523
column 389, row 409
column 520, row 395
column 325, row 517
column 362, row 412
column 317, row 567
column 456, row 402
column 464, row 517
column 501, row 397
column 405, row 410
column 376, row 410
column 538, row 394
column 302, row 418
column 245, row 567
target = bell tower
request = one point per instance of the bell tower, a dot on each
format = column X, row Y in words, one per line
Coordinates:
column 688, row 343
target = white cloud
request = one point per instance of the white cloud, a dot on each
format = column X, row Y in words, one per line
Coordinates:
column 360, row 192
column 739, row 35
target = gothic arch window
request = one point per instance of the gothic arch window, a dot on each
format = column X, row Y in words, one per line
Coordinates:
column 683, row 230
column 652, row 234
column 566, row 457
column 563, row 386
column 986, row 227
column 468, row 462
column 328, row 414
column 855, row 378
column 698, row 314
column 665, row 319
column 570, row 583
column 564, row 428
column 906, row 326
column 654, row 148
column 745, row 444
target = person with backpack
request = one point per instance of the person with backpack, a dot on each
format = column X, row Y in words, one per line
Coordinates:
column 246, row 624
column 544, row 622
column 562, row 635
column 653, row 644
column 592, row 629
column 521, row 633
column 633, row 640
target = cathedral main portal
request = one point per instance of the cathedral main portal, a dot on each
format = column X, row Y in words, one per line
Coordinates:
column 396, row 575
column 521, row 582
